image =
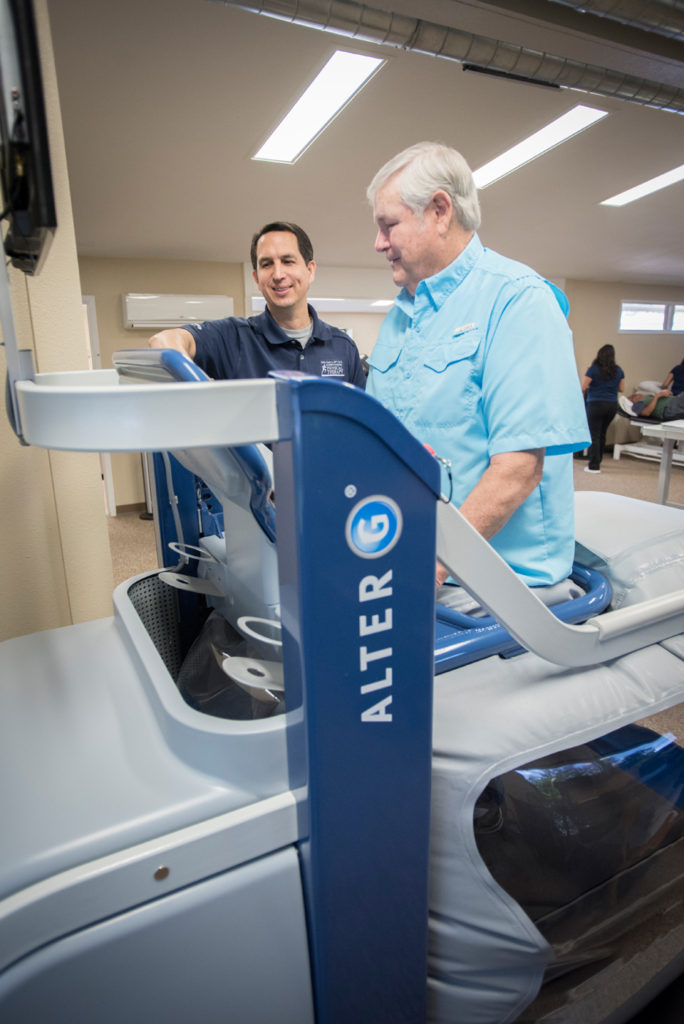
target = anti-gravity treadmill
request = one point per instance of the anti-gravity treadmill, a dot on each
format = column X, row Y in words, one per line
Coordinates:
column 275, row 786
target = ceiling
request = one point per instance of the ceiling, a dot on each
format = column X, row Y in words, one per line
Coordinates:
column 165, row 101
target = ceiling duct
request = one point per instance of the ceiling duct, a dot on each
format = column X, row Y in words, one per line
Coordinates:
column 358, row 21
column 664, row 17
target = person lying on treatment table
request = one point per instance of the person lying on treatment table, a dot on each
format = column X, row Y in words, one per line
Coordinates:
column 664, row 406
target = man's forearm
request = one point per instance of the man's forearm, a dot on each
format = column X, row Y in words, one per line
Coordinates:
column 509, row 479
column 174, row 337
column 651, row 407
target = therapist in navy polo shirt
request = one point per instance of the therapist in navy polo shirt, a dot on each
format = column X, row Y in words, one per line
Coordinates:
column 288, row 335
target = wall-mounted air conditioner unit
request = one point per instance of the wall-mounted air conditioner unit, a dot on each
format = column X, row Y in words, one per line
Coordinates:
column 148, row 311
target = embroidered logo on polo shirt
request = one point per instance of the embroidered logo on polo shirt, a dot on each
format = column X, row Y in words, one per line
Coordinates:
column 332, row 368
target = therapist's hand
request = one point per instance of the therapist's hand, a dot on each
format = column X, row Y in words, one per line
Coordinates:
column 174, row 337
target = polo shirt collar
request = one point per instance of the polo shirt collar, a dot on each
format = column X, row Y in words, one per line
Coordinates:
column 436, row 289
column 321, row 330
column 275, row 335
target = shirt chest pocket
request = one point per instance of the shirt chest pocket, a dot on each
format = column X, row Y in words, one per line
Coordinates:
column 461, row 347
column 450, row 379
column 383, row 357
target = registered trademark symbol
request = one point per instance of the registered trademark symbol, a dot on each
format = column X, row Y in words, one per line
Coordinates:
column 350, row 491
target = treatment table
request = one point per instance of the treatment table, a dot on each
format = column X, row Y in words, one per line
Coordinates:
column 669, row 433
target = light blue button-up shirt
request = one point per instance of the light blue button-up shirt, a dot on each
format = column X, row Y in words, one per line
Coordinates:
column 479, row 362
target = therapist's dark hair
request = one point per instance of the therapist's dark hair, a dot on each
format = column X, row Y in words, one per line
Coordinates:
column 605, row 360
column 303, row 240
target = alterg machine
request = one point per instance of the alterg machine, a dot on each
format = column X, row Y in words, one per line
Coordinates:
column 277, row 786
column 269, row 836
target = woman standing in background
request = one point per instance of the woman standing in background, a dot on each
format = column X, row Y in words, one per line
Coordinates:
column 603, row 381
column 675, row 379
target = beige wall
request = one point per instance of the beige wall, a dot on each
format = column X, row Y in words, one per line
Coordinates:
column 107, row 280
column 56, row 565
column 594, row 318
column 349, row 282
column 364, row 327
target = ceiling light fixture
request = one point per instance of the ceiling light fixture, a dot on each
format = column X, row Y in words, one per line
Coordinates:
column 645, row 189
column 332, row 88
column 563, row 128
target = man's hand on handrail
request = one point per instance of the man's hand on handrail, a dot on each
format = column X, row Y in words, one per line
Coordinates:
column 174, row 337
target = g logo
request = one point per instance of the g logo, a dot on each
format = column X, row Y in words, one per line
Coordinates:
column 373, row 526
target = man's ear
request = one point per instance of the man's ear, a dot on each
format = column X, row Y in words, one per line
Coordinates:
column 442, row 209
column 311, row 267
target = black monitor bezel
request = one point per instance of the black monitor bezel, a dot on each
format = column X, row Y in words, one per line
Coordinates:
column 25, row 159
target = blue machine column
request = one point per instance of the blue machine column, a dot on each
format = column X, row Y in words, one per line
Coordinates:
column 355, row 499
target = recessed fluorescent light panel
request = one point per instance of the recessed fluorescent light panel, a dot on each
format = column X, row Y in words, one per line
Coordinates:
column 645, row 189
column 330, row 91
column 576, row 120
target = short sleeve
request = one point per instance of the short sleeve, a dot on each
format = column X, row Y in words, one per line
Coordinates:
column 530, row 389
column 217, row 347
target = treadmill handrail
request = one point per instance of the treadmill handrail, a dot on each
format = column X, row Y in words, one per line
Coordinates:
column 461, row 638
column 481, row 570
column 166, row 364
column 93, row 411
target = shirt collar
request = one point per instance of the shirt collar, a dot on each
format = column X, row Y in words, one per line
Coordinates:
column 437, row 288
column 275, row 335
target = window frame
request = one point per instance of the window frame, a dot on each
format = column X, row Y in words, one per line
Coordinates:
column 671, row 307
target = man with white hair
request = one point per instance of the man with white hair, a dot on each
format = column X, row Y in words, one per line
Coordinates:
column 476, row 359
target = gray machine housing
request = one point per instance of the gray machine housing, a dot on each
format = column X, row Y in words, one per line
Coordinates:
column 148, row 856
column 149, row 862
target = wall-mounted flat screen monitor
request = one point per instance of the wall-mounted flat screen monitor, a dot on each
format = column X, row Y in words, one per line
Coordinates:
column 27, row 195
